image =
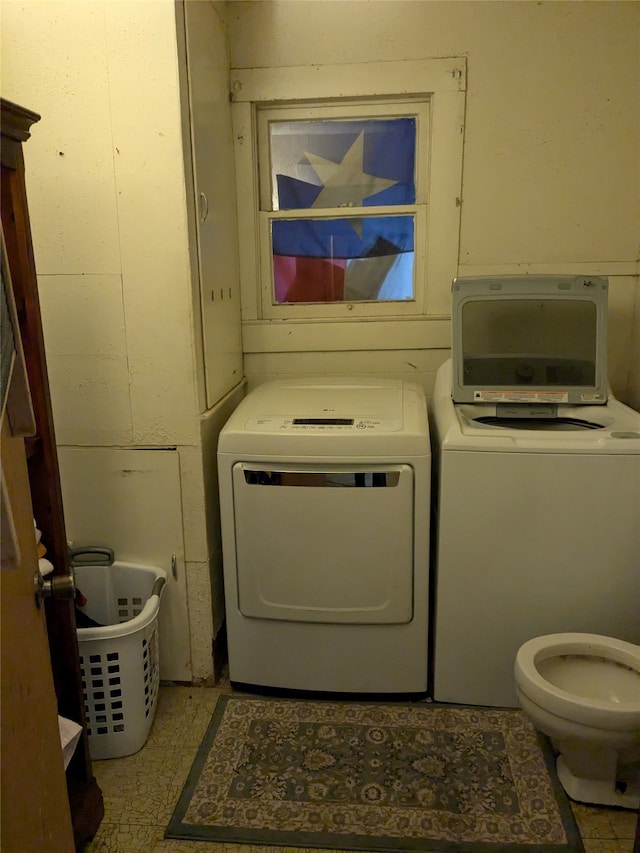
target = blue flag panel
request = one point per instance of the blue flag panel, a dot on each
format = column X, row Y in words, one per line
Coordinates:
column 343, row 238
column 343, row 163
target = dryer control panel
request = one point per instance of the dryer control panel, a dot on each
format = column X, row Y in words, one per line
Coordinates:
column 275, row 423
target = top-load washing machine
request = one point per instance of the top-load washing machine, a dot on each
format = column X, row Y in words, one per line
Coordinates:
column 324, row 500
column 537, row 473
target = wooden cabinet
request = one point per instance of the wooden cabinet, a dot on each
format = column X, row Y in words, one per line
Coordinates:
column 83, row 794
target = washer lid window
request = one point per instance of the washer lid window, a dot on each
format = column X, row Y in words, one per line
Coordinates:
column 527, row 339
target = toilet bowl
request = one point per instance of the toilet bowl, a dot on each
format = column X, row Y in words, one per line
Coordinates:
column 583, row 691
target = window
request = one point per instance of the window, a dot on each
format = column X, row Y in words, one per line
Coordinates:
column 348, row 196
column 338, row 202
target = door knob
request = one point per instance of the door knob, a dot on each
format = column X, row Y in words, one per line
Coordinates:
column 61, row 587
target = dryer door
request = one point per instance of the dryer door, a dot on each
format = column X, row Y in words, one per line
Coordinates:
column 330, row 544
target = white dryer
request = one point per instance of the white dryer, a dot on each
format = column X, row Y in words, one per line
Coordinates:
column 324, row 499
column 538, row 531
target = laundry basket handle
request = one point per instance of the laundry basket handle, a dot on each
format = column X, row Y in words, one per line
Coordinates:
column 91, row 555
column 157, row 587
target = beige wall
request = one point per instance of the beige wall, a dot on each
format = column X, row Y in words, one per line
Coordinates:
column 549, row 185
column 550, row 172
column 107, row 195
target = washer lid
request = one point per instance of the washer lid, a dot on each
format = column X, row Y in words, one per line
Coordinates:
column 530, row 339
column 611, row 429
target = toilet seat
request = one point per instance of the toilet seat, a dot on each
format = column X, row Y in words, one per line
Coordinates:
column 599, row 713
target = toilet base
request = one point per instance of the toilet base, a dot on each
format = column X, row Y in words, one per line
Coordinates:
column 598, row 792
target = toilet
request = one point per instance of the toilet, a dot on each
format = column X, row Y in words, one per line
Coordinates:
column 583, row 692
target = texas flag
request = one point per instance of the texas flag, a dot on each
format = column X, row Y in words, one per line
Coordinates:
column 343, row 164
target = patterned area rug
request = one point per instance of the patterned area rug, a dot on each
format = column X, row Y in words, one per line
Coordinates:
column 368, row 776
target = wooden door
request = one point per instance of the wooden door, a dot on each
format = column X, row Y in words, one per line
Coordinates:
column 35, row 806
column 37, row 800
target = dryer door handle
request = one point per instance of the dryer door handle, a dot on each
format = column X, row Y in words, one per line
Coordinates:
column 323, row 479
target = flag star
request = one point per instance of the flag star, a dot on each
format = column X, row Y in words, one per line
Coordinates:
column 346, row 184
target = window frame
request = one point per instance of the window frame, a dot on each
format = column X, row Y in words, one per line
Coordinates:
column 300, row 91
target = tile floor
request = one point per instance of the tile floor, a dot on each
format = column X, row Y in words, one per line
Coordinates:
column 141, row 791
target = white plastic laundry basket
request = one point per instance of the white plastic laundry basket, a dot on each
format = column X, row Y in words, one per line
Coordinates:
column 120, row 661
